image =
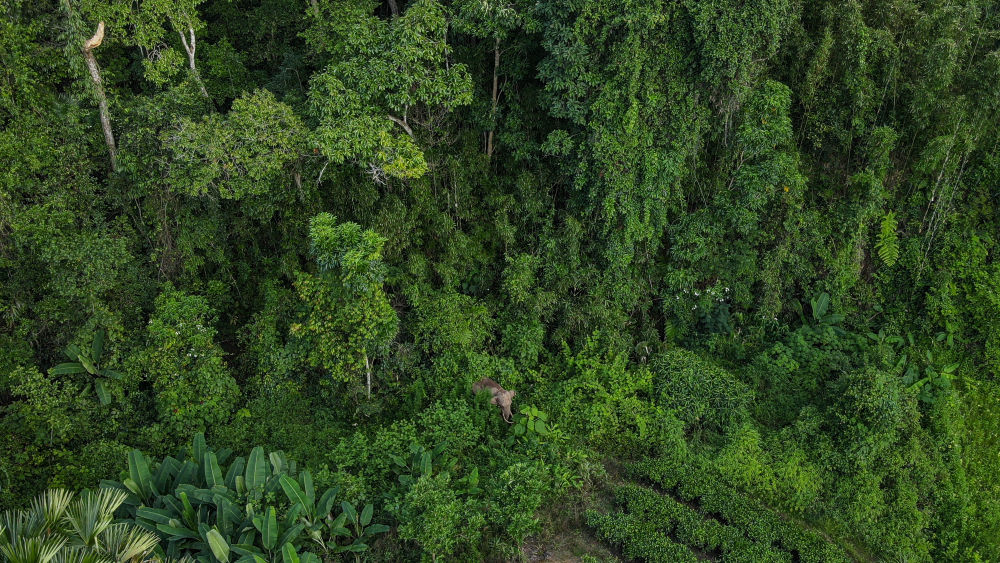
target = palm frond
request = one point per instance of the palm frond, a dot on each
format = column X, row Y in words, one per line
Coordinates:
column 91, row 514
column 47, row 510
column 32, row 550
column 128, row 542
column 80, row 555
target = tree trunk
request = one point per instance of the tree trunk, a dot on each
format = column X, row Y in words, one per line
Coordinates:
column 190, row 48
column 102, row 99
column 368, row 380
column 496, row 97
column 394, row 8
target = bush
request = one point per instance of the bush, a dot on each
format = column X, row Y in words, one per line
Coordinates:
column 701, row 394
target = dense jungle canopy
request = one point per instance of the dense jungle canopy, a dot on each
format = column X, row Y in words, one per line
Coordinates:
column 738, row 259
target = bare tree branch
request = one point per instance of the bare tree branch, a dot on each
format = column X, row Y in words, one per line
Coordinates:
column 102, row 99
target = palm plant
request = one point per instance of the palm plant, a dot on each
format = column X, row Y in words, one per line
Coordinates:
column 58, row 529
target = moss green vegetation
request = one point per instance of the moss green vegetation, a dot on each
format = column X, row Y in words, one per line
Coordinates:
column 738, row 260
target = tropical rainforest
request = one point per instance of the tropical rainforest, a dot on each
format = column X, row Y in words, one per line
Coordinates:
column 736, row 261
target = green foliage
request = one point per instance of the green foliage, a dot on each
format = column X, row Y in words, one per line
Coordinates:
column 384, row 71
column 350, row 319
column 89, row 362
column 253, row 151
column 532, row 424
column 60, row 527
column 437, row 519
column 207, row 503
column 750, row 245
column 702, row 395
column 192, row 388
column 888, row 240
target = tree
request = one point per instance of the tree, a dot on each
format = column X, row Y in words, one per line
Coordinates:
column 349, row 319
column 385, row 79
column 192, row 389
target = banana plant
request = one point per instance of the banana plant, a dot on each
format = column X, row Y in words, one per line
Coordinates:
column 820, row 307
column 421, row 462
column 89, row 361
column 323, row 528
column 355, row 527
column 208, row 506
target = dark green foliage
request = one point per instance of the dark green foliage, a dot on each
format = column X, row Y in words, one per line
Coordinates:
column 751, row 246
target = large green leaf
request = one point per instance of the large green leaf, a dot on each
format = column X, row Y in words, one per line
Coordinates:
column 97, row 347
column 177, row 532
column 190, row 518
column 187, row 474
column 219, row 545
column 288, row 554
column 199, row 447
column 247, row 549
column 235, row 470
column 295, row 494
column 290, row 534
column 87, row 363
column 213, row 473
column 112, row 374
column 349, row 511
column 366, row 515
column 138, row 470
column 268, row 527
column 165, row 473
column 73, row 352
column 226, row 515
column 256, row 473
column 307, row 488
column 102, row 392
column 68, row 367
column 157, row 515
column 326, row 502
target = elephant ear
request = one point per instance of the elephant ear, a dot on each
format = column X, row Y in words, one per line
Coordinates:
column 513, row 394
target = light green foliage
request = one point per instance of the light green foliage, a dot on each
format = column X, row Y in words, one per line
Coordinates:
column 601, row 400
column 350, row 320
column 702, row 395
column 250, row 152
column 438, row 520
column 519, row 490
column 888, row 240
column 60, row 527
column 191, row 385
column 386, row 74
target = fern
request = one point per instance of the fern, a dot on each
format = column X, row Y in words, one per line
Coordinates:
column 888, row 242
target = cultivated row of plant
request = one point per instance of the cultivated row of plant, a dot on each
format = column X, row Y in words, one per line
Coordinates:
column 694, row 481
column 638, row 538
